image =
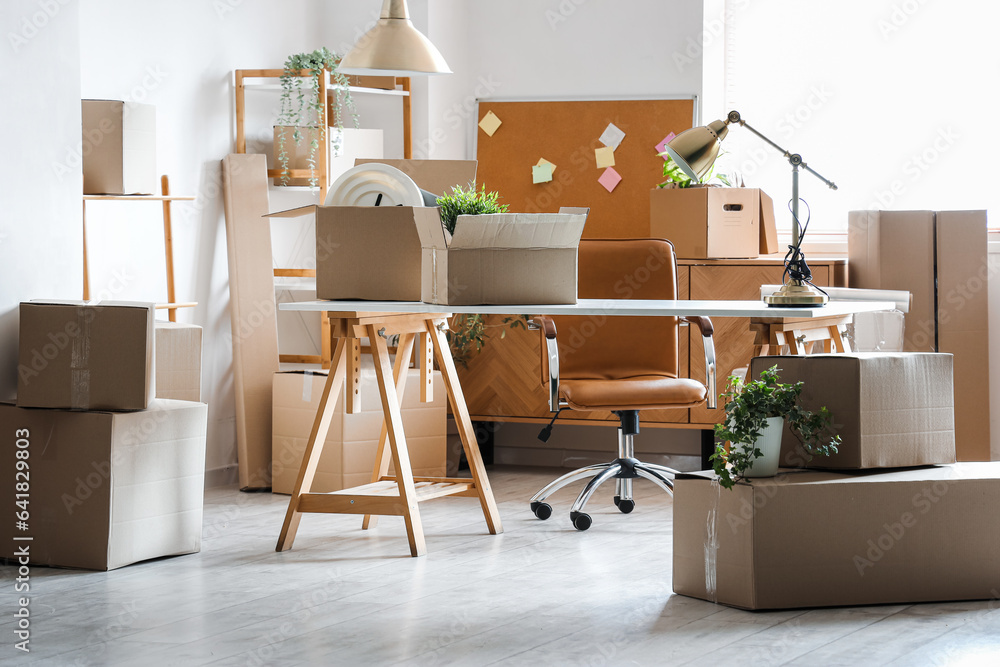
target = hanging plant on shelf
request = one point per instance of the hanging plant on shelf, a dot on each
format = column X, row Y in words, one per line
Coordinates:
column 301, row 106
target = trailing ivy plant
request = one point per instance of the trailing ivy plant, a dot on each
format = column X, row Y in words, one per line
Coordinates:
column 748, row 405
column 468, row 202
column 678, row 179
column 301, row 105
column 468, row 333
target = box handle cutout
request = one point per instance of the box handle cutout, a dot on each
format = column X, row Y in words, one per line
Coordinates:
column 732, row 207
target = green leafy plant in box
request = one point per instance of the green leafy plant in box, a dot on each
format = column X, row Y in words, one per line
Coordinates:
column 676, row 178
column 748, row 406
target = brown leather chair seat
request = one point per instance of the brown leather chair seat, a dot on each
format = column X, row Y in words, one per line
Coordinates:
column 643, row 392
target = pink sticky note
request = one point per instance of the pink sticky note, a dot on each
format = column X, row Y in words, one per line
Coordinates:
column 610, row 179
column 662, row 146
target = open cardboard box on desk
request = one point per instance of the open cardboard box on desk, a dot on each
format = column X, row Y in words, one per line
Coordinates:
column 373, row 252
column 501, row 258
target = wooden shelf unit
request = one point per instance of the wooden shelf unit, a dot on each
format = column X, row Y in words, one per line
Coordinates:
column 168, row 242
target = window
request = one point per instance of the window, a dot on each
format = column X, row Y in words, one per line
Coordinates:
column 895, row 101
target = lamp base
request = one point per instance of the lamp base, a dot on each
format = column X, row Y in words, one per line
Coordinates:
column 796, row 294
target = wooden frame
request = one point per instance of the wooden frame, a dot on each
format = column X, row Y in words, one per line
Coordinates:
column 399, row 494
column 166, row 198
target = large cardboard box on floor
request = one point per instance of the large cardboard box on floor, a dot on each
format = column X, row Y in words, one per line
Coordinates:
column 178, row 361
column 85, row 355
column 106, row 488
column 373, row 252
column 941, row 258
column 501, row 258
column 890, row 409
column 119, row 148
column 708, row 222
column 821, row 539
column 349, row 453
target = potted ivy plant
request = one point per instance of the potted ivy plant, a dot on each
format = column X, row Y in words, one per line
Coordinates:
column 467, row 333
column 755, row 413
column 301, row 106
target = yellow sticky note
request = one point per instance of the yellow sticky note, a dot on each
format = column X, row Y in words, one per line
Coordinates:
column 542, row 161
column 541, row 173
column 490, row 123
column 605, row 157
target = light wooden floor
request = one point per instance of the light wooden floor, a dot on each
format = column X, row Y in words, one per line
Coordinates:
column 540, row 594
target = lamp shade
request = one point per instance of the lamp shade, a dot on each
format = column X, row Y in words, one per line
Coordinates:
column 394, row 48
column 696, row 150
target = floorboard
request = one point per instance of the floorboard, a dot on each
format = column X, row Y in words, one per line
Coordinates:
column 540, row 593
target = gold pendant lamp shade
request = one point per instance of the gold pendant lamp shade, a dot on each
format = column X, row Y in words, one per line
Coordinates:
column 394, row 48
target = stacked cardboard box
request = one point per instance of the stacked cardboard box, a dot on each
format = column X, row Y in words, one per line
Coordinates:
column 940, row 257
column 107, row 474
column 349, row 453
column 887, row 522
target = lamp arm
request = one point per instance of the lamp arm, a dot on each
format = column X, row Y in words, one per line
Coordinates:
column 793, row 158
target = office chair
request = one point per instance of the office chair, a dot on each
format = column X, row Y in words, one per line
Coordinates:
column 621, row 364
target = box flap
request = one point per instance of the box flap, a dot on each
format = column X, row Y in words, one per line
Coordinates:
column 431, row 232
column 296, row 212
column 78, row 302
column 518, row 230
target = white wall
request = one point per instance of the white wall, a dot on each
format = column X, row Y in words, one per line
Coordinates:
column 40, row 216
column 180, row 56
column 556, row 49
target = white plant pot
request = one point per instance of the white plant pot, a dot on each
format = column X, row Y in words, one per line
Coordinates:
column 769, row 444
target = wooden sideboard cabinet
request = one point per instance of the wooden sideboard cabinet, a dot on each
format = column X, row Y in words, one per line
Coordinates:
column 502, row 382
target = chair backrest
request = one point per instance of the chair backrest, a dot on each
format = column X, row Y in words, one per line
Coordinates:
column 608, row 347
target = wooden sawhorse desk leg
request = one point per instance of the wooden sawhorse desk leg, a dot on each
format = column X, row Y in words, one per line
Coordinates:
column 461, row 412
column 310, row 457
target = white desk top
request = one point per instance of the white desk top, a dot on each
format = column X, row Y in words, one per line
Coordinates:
column 603, row 307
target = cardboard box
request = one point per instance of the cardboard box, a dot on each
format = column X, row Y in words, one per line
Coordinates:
column 349, row 454
column 708, row 222
column 383, row 82
column 119, row 148
column 963, row 276
column 108, row 489
column 824, row 539
column 346, row 145
column 437, row 176
column 768, row 228
column 890, row 409
column 178, row 361
column 941, row 258
column 373, row 252
column 894, row 250
column 367, row 252
column 86, row 355
column 252, row 312
column 501, row 258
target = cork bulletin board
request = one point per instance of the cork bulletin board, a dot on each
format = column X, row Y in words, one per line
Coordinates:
column 566, row 133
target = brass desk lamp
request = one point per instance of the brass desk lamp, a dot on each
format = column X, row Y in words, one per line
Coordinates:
column 695, row 151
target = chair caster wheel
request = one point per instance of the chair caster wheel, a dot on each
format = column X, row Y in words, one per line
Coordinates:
column 624, row 506
column 542, row 510
column 580, row 520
